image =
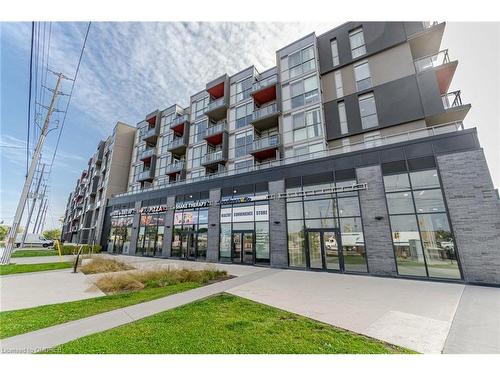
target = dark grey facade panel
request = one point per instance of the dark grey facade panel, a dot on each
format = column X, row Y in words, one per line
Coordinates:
column 378, row 37
column 412, row 28
column 397, row 102
column 429, row 93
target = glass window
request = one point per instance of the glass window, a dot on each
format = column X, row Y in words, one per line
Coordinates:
column 335, row 52
column 429, row 201
column 243, row 115
column 407, row 245
column 424, row 179
column 438, row 246
column 243, row 143
column 322, row 223
column 262, row 240
column 368, row 111
column 319, row 208
column 353, row 245
column 225, row 241
column 338, row 84
column 343, row 118
column 296, row 250
column 357, row 40
column 397, row 182
column 294, row 210
column 348, row 206
column 298, row 120
column 400, row 203
column 363, row 77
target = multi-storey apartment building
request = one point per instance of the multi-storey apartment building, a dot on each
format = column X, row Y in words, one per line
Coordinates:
column 349, row 155
column 106, row 174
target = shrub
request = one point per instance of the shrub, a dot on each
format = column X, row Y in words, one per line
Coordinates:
column 157, row 278
column 73, row 249
column 101, row 265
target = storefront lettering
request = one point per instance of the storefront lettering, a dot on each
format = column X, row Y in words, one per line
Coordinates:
column 181, row 206
column 153, row 209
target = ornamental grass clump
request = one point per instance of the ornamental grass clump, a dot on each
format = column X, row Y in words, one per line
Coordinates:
column 157, row 278
column 102, row 265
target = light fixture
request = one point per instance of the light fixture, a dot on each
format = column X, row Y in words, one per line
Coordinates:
column 276, row 222
column 379, row 217
column 234, row 191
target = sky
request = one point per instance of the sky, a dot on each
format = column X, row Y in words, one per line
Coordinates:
column 131, row 69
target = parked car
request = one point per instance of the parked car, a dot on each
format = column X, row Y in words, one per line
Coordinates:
column 33, row 240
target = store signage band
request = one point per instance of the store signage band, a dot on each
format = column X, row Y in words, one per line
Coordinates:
column 125, row 211
column 153, row 209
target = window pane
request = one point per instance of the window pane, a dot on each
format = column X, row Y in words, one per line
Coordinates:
column 353, row 245
column 319, row 209
column 343, row 118
column 335, row 52
column 397, row 182
column 348, row 206
column 262, row 240
column 362, row 71
column 294, row 59
column 407, row 246
column 225, row 240
column 296, row 89
column 367, row 105
column 322, row 223
column 400, row 203
column 298, row 101
column 429, row 201
column 369, row 121
column 299, row 135
column 308, row 53
column 356, row 38
column 424, row 179
column 296, row 251
column 338, row 84
column 298, row 120
column 439, row 246
column 294, row 210
column 310, row 84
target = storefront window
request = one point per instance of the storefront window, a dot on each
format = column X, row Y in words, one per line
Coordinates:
column 190, row 235
column 423, row 241
column 296, row 249
column 150, row 238
column 225, row 241
column 120, row 233
column 321, row 240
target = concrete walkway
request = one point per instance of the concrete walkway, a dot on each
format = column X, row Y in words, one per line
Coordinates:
column 428, row 317
column 45, row 259
column 23, row 290
column 52, row 336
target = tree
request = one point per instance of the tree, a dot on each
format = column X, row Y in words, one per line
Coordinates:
column 4, row 229
column 52, row 234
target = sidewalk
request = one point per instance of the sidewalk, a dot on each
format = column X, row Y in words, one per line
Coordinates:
column 52, row 336
column 44, row 259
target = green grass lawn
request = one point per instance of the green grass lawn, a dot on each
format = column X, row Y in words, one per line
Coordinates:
column 33, row 253
column 16, row 322
column 10, row 269
column 226, row 324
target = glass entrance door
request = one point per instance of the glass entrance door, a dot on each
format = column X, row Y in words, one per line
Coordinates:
column 243, row 247
column 188, row 245
column 324, row 249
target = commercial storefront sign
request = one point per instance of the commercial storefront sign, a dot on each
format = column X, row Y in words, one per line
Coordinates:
column 153, row 209
column 244, row 214
column 126, row 211
column 187, row 205
column 244, row 199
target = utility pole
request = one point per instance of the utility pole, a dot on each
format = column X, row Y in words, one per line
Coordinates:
column 11, row 238
column 30, row 211
column 44, row 216
column 40, row 206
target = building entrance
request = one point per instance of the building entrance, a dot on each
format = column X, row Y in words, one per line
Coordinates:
column 324, row 249
column 243, row 246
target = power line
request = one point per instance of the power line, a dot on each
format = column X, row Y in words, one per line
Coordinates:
column 29, row 100
column 69, row 98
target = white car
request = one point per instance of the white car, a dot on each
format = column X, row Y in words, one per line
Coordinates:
column 33, row 240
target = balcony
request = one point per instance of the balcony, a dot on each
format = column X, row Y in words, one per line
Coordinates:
column 217, row 109
column 214, row 158
column 146, row 175
column 147, row 154
column 454, row 109
column 214, row 134
column 151, row 134
column 178, row 146
column 439, row 63
column 264, row 91
column 428, row 40
column 175, row 167
column 178, row 123
column 266, row 117
column 265, row 148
